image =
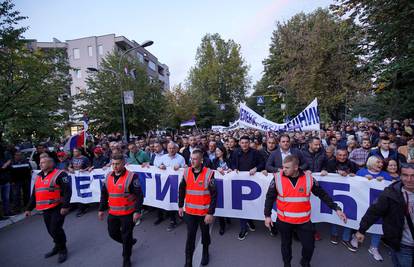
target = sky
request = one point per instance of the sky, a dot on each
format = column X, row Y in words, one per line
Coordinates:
column 176, row 27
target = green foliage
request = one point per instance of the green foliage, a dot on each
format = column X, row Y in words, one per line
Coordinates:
column 389, row 49
column 102, row 101
column 219, row 77
column 34, row 84
column 313, row 55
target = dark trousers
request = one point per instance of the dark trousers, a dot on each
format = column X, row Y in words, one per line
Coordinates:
column 120, row 229
column 306, row 236
column 54, row 224
column 193, row 221
column 243, row 224
column 17, row 189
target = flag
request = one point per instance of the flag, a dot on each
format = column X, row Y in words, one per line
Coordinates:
column 75, row 141
column 188, row 123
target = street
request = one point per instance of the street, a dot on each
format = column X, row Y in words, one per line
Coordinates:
column 24, row 244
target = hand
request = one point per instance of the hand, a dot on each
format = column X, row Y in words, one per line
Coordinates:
column 162, row 167
column 208, row 219
column 176, row 167
column 342, row 173
column 27, row 213
column 64, row 211
column 136, row 216
column 308, row 172
column 369, row 177
column 253, row 171
column 360, row 237
column 90, row 169
column 269, row 222
column 264, row 172
column 324, row 173
column 145, row 165
column 221, row 171
column 180, row 212
column 100, row 215
column 352, row 174
column 341, row 215
column 380, row 178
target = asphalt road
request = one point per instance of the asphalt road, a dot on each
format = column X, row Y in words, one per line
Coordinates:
column 25, row 242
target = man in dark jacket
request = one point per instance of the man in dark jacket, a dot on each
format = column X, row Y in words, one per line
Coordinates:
column 270, row 147
column 395, row 205
column 275, row 160
column 314, row 157
column 246, row 159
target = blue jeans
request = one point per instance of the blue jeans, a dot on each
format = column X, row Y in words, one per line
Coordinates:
column 5, row 197
column 346, row 234
column 402, row 258
column 375, row 240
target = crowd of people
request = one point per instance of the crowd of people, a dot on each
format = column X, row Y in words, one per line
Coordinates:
column 375, row 150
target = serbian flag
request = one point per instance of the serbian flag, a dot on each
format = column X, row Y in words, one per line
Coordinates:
column 75, row 141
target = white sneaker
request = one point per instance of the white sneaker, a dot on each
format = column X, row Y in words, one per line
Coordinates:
column 354, row 241
column 375, row 253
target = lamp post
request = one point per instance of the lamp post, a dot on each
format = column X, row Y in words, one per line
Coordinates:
column 118, row 77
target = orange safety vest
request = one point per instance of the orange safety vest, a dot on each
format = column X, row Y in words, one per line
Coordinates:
column 47, row 192
column 120, row 200
column 197, row 197
column 293, row 202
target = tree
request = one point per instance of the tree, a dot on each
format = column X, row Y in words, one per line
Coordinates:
column 180, row 106
column 314, row 55
column 389, row 49
column 219, row 77
column 102, row 100
column 34, row 83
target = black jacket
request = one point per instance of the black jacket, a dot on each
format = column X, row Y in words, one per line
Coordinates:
column 390, row 206
column 315, row 162
column 246, row 161
column 274, row 162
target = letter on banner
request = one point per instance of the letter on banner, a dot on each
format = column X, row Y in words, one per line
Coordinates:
column 350, row 205
column 238, row 196
column 171, row 184
column 86, row 182
column 220, row 193
column 99, row 177
column 142, row 176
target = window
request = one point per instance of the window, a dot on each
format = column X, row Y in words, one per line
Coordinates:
column 100, row 50
column 76, row 53
column 90, row 51
column 151, row 65
column 140, row 57
column 78, row 74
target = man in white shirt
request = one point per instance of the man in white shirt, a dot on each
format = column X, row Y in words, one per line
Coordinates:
column 175, row 161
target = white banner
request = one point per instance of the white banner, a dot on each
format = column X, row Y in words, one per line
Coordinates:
column 307, row 120
column 239, row 195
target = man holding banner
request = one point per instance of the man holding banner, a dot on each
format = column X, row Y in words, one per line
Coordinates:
column 198, row 190
column 122, row 193
column 291, row 189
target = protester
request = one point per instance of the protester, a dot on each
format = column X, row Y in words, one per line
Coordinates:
column 395, row 205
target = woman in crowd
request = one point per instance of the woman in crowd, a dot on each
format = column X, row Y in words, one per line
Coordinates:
column 222, row 164
column 392, row 169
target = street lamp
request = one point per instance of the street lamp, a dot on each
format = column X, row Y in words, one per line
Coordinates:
column 118, row 76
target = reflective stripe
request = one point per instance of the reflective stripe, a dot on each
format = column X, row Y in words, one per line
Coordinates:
column 51, row 201
column 128, row 181
column 278, row 180
column 199, row 207
column 308, row 183
column 198, row 192
column 186, row 173
column 293, row 199
column 54, row 177
column 47, row 189
column 207, row 178
column 118, row 195
column 122, row 208
column 293, row 214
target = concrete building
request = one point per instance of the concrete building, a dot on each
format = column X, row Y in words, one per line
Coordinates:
column 88, row 52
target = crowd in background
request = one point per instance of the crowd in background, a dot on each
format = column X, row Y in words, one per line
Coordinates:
column 374, row 150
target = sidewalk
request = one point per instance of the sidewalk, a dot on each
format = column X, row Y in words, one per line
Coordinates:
column 16, row 218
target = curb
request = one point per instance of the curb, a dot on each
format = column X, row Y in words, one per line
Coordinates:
column 14, row 219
